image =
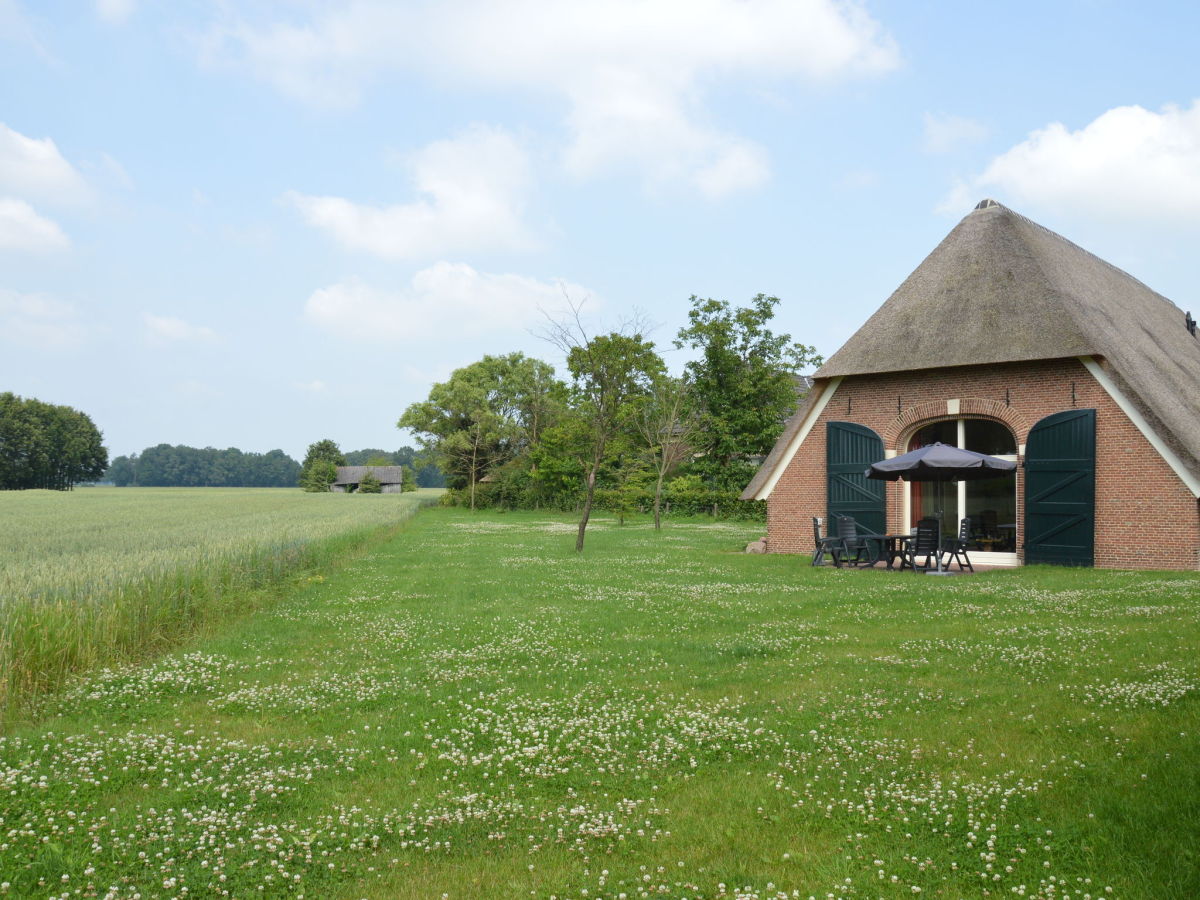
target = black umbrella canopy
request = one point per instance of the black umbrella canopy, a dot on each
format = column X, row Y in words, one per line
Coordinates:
column 940, row 462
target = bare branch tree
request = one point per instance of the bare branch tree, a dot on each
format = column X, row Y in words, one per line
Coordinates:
column 667, row 428
column 608, row 373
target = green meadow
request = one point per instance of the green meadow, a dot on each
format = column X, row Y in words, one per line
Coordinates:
column 473, row 710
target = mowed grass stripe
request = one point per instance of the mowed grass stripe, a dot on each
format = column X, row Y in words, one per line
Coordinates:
column 475, row 710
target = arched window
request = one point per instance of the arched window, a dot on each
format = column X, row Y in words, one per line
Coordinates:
column 991, row 505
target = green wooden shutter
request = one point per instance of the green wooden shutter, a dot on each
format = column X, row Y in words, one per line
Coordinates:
column 1060, row 489
column 849, row 450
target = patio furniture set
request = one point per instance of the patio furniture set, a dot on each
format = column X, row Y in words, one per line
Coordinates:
column 918, row 551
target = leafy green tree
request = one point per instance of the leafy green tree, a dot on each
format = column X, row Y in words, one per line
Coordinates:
column 46, row 446
column 123, row 470
column 277, row 469
column 744, row 384
column 168, row 466
column 487, row 413
column 319, row 469
column 379, row 459
column 369, row 484
column 319, row 476
column 409, row 482
column 610, row 374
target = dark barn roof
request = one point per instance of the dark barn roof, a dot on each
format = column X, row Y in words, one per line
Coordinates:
column 1001, row 288
column 354, row 474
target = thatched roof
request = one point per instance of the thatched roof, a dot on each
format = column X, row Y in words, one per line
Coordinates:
column 354, row 474
column 1001, row 288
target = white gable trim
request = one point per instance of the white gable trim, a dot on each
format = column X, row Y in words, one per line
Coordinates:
column 805, row 427
column 1142, row 425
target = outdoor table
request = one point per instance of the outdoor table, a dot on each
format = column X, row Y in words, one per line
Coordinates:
column 891, row 543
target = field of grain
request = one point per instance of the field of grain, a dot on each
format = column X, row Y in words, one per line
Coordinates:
column 94, row 573
column 472, row 710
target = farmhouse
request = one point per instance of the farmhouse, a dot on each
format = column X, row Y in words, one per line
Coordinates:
column 349, row 477
column 1010, row 340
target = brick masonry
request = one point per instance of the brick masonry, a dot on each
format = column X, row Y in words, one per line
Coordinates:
column 1146, row 518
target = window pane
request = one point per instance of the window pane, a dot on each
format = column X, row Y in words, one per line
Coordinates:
column 992, row 438
column 992, row 508
column 946, row 432
column 926, row 503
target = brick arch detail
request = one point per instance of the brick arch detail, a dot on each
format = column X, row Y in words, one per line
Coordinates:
column 896, row 433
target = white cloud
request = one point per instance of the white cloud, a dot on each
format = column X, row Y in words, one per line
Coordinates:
column 945, row 133
column 472, row 193
column 633, row 73
column 1130, row 164
column 115, row 11
column 33, row 168
column 446, row 298
column 313, row 387
column 166, row 329
column 21, row 228
column 39, row 321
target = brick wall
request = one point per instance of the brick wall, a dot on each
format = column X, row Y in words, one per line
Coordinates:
column 1146, row 518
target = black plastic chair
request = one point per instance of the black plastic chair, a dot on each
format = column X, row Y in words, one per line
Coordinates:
column 855, row 549
column 956, row 549
column 923, row 544
column 824, row 545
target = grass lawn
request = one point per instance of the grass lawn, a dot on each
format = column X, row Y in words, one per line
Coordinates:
column 473, row 710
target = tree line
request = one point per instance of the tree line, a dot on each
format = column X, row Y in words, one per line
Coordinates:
column 618, row 432
column 43, row 446
column 166, row 465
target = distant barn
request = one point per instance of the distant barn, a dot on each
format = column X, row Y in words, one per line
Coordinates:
column 350, row 477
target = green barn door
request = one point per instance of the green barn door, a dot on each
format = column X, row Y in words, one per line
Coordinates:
column 850, row 449
column 1060, row 489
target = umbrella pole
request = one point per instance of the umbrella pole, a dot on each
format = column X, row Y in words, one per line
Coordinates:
column 941, row 515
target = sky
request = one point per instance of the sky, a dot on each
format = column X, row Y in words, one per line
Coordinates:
column 260, row 223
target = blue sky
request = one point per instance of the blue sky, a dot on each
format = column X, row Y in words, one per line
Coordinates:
column 258, row 223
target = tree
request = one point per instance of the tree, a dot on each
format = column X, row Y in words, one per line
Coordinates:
column 317, row 478
column 486, row 414
column 666, row 424
column 181, row 466
column 319, row 469
column 379, row 459
column 369, row 484
column 46, row 446
column 123, row 470
column 609, row 373
column 408, row 479
column 744, row 383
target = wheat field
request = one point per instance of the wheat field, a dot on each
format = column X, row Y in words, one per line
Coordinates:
column 100, row 574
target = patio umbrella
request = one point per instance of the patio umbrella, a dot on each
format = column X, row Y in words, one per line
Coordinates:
column 940, row 463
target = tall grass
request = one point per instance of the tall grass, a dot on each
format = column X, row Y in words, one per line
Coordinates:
column 100, row 576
